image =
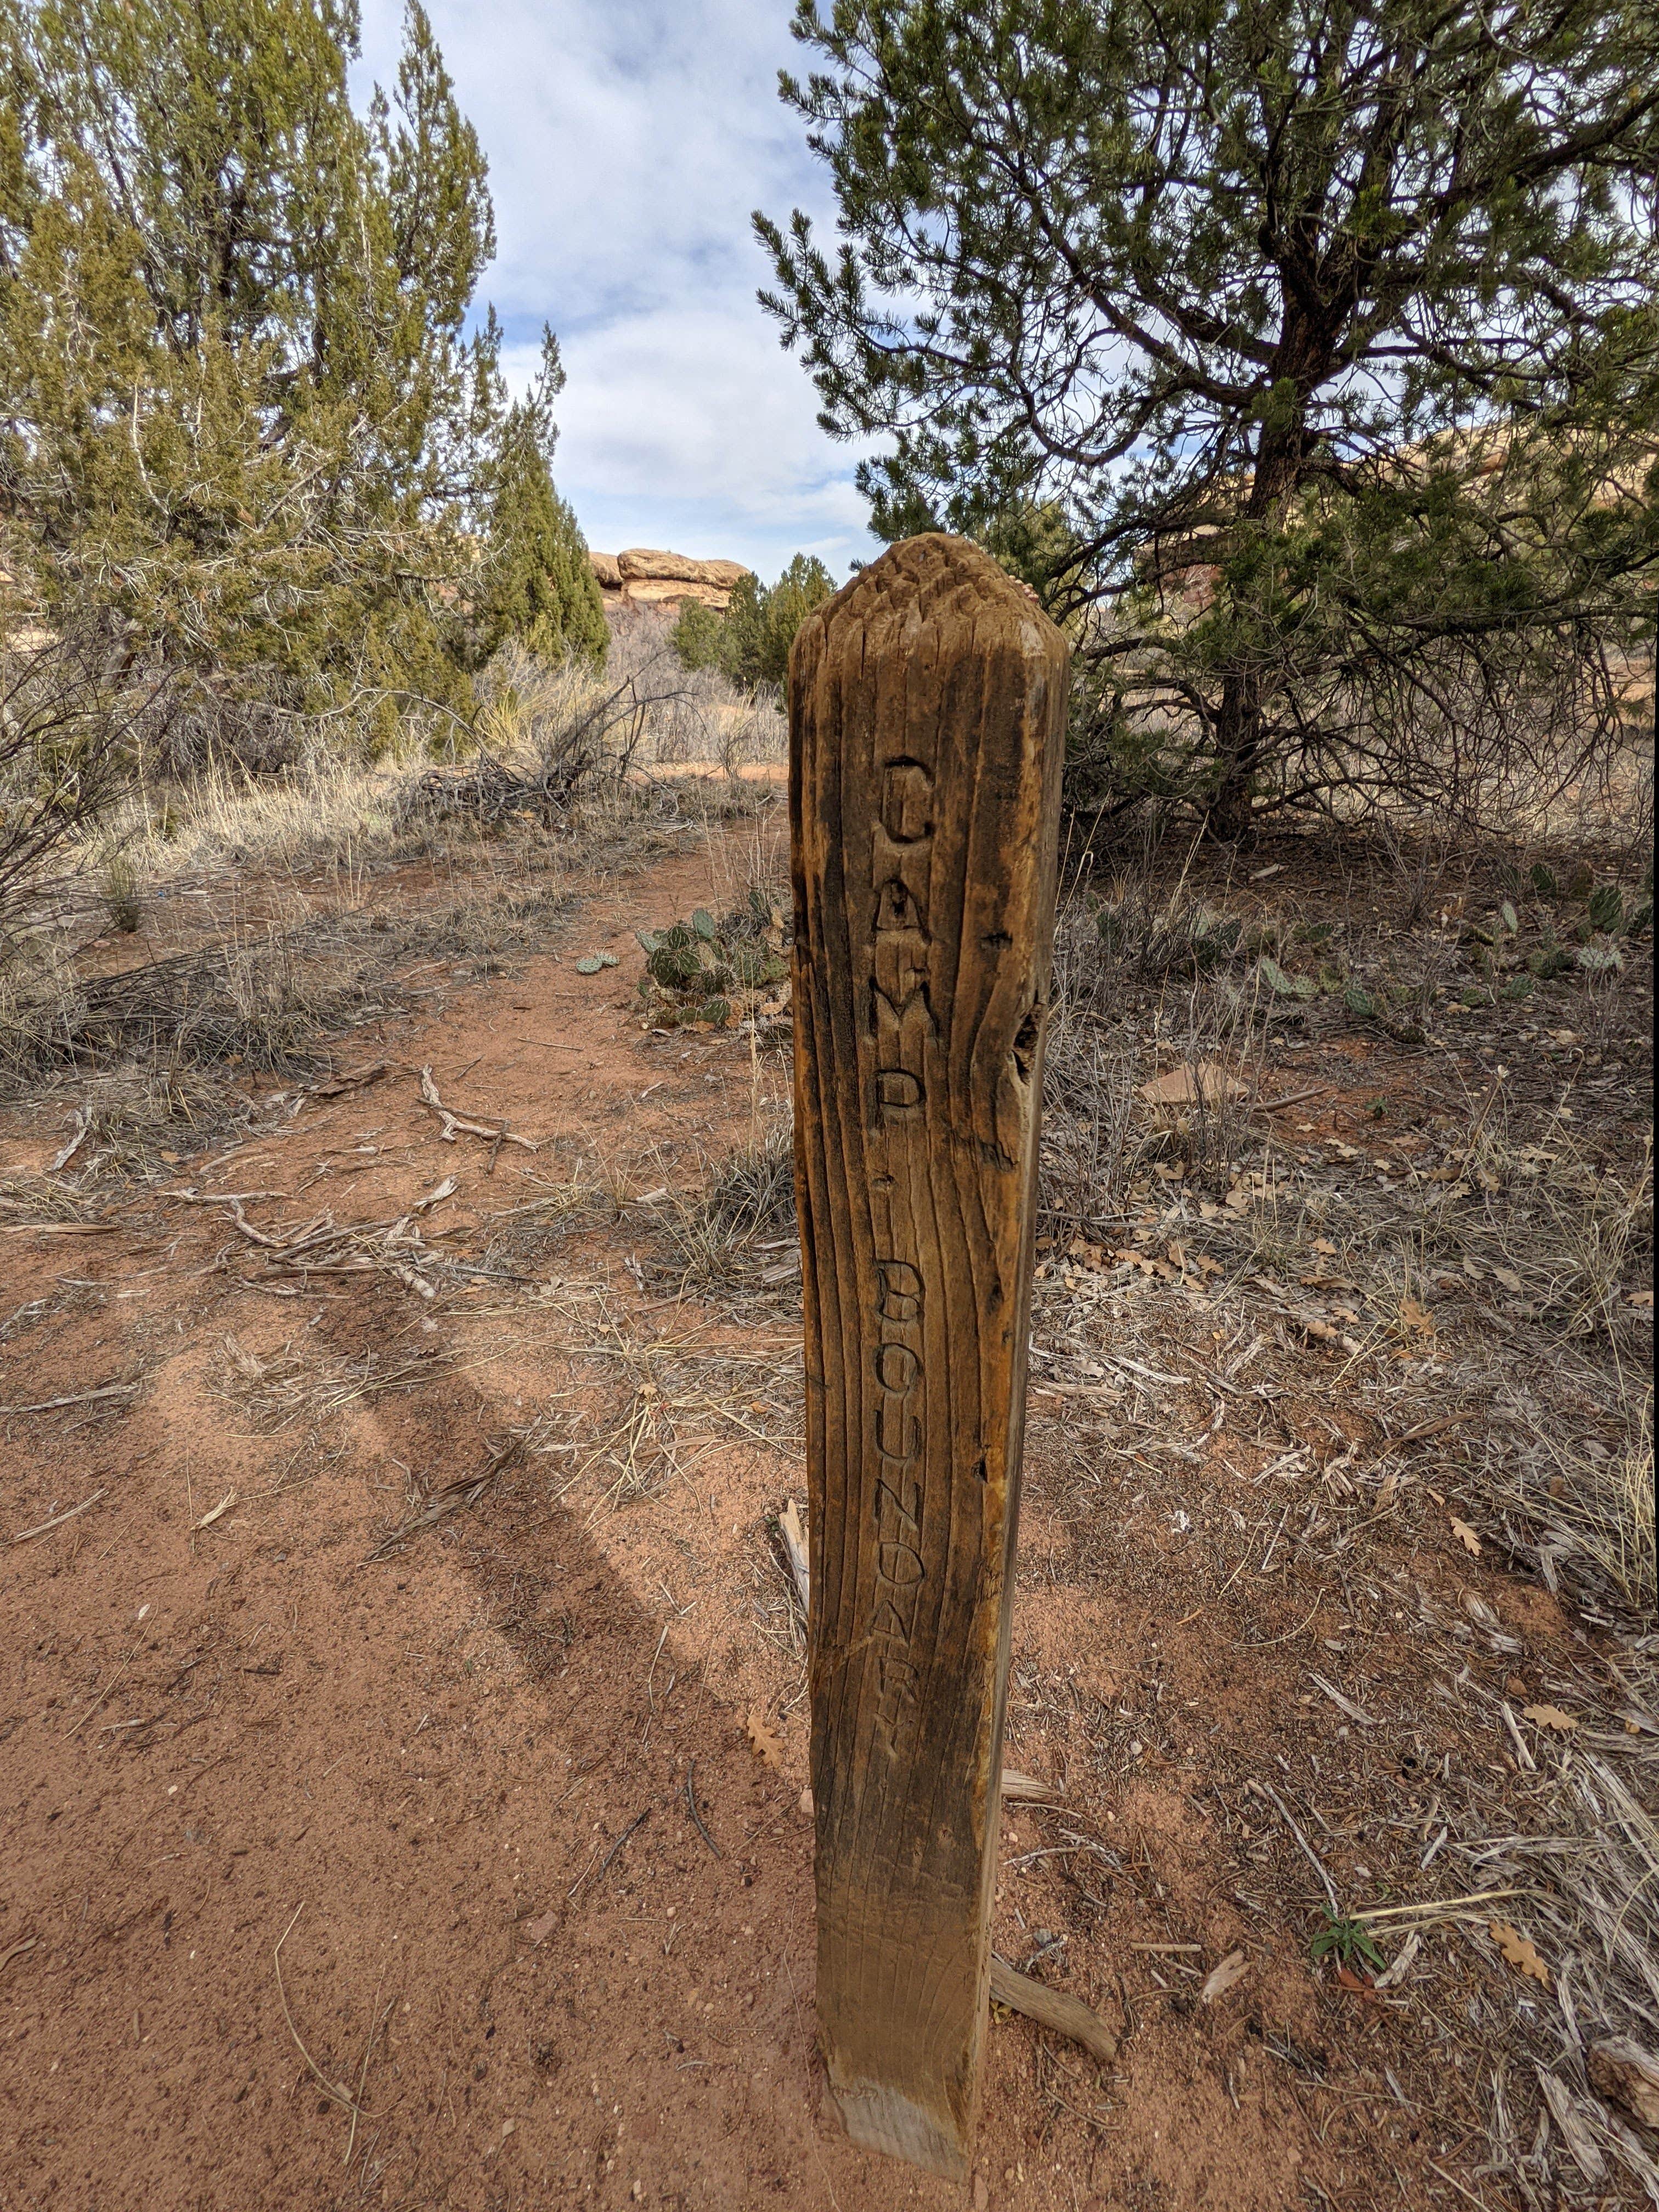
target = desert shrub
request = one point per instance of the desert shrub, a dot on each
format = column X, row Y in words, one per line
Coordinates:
column 74, row 716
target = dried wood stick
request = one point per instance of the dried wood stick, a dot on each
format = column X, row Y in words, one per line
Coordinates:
column 59, row 1519
column 794, row 1542
column 1053, row 2008
column 453, row 1123
column 75, row 1398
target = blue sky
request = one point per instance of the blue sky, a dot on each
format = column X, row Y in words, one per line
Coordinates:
column 627, row 142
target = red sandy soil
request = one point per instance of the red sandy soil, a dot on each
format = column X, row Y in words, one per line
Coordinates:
column 453, row 1780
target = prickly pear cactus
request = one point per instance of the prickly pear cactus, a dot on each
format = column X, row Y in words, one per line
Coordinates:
column 721, row 974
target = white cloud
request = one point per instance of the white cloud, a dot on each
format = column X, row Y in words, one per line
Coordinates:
column 685, row 425
column 628, row 143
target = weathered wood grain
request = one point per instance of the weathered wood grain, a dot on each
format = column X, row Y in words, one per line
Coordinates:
column 926, row 713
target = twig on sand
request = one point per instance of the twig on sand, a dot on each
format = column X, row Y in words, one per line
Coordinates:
column 452, row 1123
column 102, row 1694
column 59, row 1228
column 76, row 1398
column 464, row 1492
column 1308, row 1851
column 794, row 1542
column 335, row 1086
column 1432, row 1905
column 377, row 2021
column 77, row 1137
column 604, row 1862
column 696, row 1817
column 1054, row 2009
column 333, row 2089
column 638, row 1821
column 190, row 1196
column 323, row 1246
column 57, row 1520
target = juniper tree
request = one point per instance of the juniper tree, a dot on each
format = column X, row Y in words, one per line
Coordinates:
column 241, row 408
column 538, row 585
column 750, row 640
column 1329, row 329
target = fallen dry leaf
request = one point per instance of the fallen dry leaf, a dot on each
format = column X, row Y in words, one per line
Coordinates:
column 1465, row 1536
column 1416, row 1317
column 768, row 1744
column 1518, row 1951
column 1550, row 1717
column 1223, row 1976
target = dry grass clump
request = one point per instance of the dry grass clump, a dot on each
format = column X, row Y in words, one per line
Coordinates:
column 1574, row 1472
column 1123, row 1012
column 737, row 1232
column 551, row 741
column 1575, row 1228
column 37, row 996
column 547, row 740
column 297, row 1382
column 1584, row 1882
column 522, row 1237
column 561, row 744
column 667, row 1402
column 323, row 811
column 28, row 1198
column 133, row 1117
column 259, row 999
column 1474, row 1239
column 1317, row 1287
column 161, row 1043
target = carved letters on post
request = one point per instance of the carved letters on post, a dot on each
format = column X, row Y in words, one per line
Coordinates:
column 926, row 703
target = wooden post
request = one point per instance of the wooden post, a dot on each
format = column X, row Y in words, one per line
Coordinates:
column 927, row 705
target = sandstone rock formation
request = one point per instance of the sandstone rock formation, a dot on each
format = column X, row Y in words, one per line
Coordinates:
column 643, row 576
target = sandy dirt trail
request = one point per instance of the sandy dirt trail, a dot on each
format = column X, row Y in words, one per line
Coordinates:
column 455, row 1778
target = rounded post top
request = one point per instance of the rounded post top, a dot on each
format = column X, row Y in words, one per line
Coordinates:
column 935, row 581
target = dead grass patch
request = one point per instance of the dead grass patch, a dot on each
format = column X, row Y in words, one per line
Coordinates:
column 26, row 1200
column 665, row 1402
column 297, row 1382
column 735, row 1231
